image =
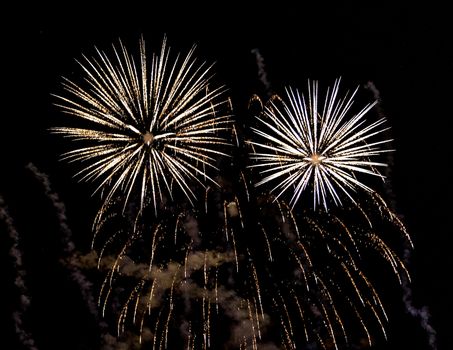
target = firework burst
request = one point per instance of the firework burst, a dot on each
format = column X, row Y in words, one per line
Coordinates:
column 305, row 144
column 151, row 126
column 190, row 273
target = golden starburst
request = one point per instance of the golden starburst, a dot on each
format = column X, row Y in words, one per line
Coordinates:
column 149, row 125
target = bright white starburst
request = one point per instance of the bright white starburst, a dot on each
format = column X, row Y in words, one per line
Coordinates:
column 149, row 125
column 306, row 145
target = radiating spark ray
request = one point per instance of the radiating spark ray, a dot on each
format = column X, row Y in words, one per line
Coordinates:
column 225, row 218
column 186, row 258
column 170, row 309
column 365, row 328
column 149, row 304
column 236, row 200
column 178, row 220
column 301, row 313
column 245, row 186
column 235, row 251
column 257, row 318
column 252, row 324
column 154, row 243
column 216, row 291
column 137, row 299
column 258, row 291
column 378, row 318
column 288, row 318
column 206, row 199
column 156, row 327
column 268, row 245
column 293, row 219
column 376, row 298
column 301, row 267
column 351, row 279
column 392, row 216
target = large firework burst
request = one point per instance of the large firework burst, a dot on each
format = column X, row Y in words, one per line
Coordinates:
column 307, row 144
column 150, row 126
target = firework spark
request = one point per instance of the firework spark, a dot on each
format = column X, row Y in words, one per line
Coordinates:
column 305, row 145
column 150, row 125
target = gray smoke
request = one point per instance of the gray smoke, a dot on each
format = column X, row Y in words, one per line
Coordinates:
column 66, row 238
column 16, row 255
column 421, row 313
column 262, row 74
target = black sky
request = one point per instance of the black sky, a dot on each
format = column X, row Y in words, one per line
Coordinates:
column 405, row 49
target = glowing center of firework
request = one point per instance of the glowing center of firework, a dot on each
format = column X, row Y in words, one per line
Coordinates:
column 148, row 138
column 316, row 159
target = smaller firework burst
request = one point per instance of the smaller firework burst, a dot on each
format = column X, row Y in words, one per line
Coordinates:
column 149, row 127
column 306, row 145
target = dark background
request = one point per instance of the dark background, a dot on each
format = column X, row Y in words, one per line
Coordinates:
column 404, row 49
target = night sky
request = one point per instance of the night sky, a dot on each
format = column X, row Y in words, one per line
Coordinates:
column 406, row 51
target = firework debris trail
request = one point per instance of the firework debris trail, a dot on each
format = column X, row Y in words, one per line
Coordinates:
column 421, row 313
column 15, row 253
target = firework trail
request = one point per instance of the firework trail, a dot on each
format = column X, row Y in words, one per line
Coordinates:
column 73, row 263
column 262, row 74
column 308, row 144
column 15, row 253
column 68, row 245
column 153, row 125
column 423, row 312
column 390, row 161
